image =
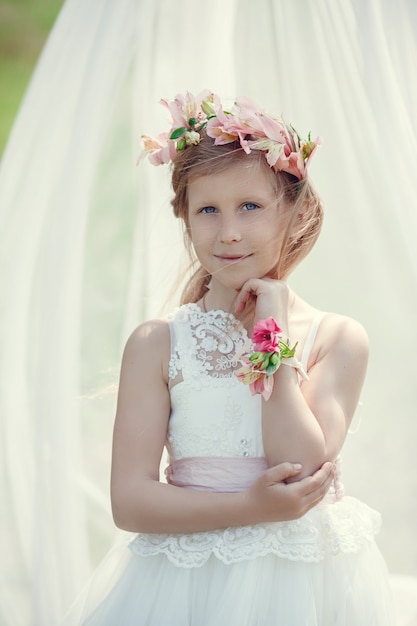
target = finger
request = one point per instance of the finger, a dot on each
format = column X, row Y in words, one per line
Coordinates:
column 281, row 472
column 315, row 497
column 323, row 476
column 317, row 490
column 249, row 288
column 241, row 301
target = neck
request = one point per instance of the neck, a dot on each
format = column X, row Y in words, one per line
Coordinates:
column 220, row 297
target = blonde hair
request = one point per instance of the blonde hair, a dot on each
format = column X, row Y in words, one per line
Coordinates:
column 305, row 209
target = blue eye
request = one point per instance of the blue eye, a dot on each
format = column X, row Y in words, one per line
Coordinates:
column 208, row 210
column 250, row 206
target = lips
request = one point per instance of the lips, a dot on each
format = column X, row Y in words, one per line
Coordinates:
column 232, row 257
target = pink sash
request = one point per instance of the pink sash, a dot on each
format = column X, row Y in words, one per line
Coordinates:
column 222, row 474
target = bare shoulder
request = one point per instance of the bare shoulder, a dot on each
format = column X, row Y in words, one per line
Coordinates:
column 338, row 366
column 342, row 335
column 344, row 330
column 152, row 332
column 149, row 343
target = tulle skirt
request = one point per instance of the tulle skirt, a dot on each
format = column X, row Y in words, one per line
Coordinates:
column 346, row 589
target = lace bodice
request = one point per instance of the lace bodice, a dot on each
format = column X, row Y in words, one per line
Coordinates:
column 204, row 343
column 212, row 413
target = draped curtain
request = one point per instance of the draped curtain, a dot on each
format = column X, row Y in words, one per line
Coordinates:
column 89, row 249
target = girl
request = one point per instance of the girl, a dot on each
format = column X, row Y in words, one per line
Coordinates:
column 252, row 391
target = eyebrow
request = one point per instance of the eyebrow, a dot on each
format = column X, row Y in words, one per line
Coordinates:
column 249, row 197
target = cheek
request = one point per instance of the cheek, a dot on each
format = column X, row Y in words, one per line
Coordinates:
column 273, row 236
column 271, row 249
column 200, row 245
column 201, row 234
column 195, row 237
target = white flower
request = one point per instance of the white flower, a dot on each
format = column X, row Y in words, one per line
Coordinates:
column 210, row 344
column 192, row 137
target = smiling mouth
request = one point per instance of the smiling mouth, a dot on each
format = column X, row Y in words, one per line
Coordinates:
column 232, row 258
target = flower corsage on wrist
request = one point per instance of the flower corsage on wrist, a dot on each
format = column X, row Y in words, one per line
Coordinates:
column 270, row 352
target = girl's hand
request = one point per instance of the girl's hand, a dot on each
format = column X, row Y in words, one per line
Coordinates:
column 273, row 500
column 271, row 299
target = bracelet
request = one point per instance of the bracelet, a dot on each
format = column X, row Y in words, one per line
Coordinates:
column 270, row 352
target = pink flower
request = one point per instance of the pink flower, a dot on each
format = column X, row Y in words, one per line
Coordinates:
column 308, row 149
column 258, row 381
column 266, row 335
column 183, row 108
column 160, row 150
column 274, row 129
column 264, row 385
column 248, row 111
column 248, row 375
column 273, row 149
column 226, row 128
column 295, row 160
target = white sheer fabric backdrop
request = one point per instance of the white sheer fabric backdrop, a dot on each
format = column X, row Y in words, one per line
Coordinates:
column 89, row 249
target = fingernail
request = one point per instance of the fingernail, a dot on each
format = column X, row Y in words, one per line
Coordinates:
column 297, row 466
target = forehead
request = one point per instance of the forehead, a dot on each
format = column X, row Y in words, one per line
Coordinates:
column 248, row 181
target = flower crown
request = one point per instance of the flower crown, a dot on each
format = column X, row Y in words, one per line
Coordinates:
column 245, row 123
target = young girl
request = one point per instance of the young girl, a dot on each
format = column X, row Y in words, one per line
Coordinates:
column 252, row 391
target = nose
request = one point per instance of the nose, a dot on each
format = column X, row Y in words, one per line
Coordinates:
column 230, row 231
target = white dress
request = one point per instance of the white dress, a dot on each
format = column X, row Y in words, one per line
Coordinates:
column 321, row 570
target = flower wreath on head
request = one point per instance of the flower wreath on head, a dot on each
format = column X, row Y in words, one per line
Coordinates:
column 245, row 122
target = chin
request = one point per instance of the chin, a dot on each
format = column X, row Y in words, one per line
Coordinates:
column 234, row 278
column 235, row 284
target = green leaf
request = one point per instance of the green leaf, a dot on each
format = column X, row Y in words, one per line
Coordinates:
column 266, row 363
column 192, row 121
column 181, row 144
column 271, row 369
column 286, row 351
column 274, row 358
column 178, row 132
column 298, row 136
column 256, row 356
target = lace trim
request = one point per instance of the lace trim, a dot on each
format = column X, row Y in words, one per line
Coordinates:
column 328, row 529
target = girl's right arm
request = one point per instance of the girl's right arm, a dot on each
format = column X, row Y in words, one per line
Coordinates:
column 141, row 503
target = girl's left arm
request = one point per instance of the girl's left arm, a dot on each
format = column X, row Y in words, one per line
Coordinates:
column 308, row 423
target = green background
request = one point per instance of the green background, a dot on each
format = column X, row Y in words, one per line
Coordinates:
column 24, row 26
